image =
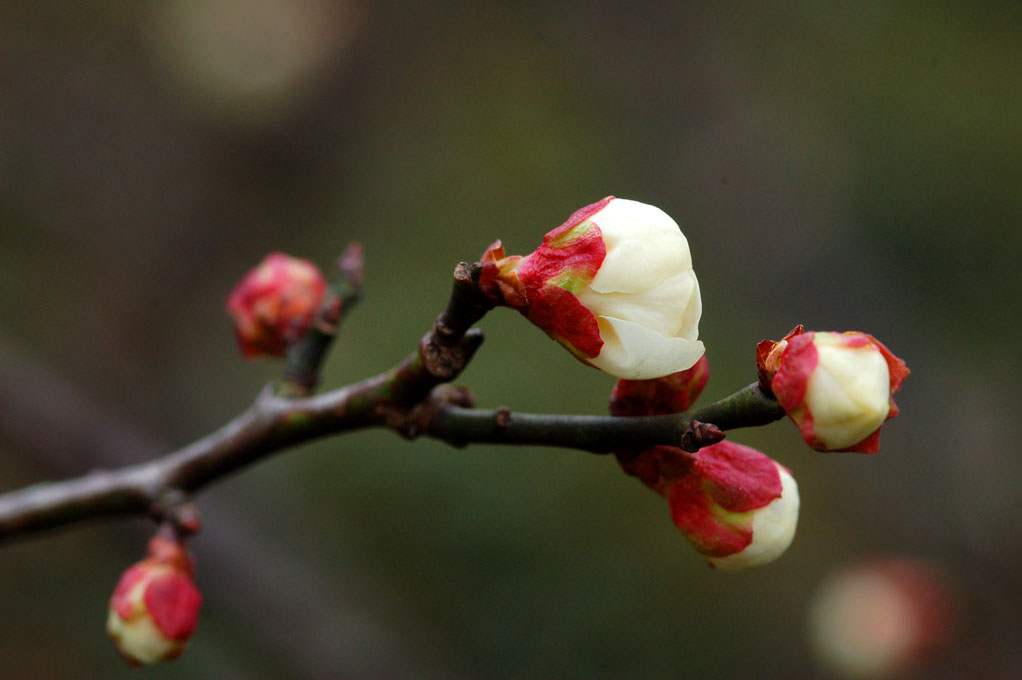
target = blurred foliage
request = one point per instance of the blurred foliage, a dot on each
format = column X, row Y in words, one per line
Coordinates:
column 845, row 165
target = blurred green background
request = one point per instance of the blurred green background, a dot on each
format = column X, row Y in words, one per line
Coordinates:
column 844, row 165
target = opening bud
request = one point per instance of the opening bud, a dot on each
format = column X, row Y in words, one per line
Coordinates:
column 274, row 305
column 155, row 606
column 836, row 387
column 614, row 285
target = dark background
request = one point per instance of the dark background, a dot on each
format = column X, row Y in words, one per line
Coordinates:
column 844, row 165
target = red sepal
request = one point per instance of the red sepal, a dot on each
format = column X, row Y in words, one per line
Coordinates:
column 173, row 602
column 729, row 477
column 792, row 375
column 768, row 356
column 565, row 319
column 120, row 602
column 498, row 279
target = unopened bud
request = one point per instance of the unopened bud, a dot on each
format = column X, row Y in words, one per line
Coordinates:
column 274, row 305
column 155, row 606
column 736, row 506
column 836, row 387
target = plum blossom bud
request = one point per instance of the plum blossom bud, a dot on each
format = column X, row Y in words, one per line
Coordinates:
column 274, row 305
column 155, row 605
column 880, row 618
column 836, row 387
column 672, row 393
column 614, row 285
column 736, row 506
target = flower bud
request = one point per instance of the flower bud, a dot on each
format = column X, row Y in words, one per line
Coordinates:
column 878, row 619
column 836, row 387
column 155, row 605
column 736, row 506
column 274, row 305
column 674, row 393
column 614, row 285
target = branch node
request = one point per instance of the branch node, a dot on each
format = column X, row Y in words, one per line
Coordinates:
column 698, row 434
column 445, row 362
column 502, row 417
column 174, row 509
column 421, row 416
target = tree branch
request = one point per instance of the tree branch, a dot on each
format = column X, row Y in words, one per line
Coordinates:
column 301, row 372
column 406, row 399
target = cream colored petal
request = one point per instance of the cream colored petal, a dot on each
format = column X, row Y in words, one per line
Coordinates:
column 848, row 394
column 773, row 529
column 644, row 247
column 663, row 309
column 633, row 352
column 140, row 639
column 694, row 311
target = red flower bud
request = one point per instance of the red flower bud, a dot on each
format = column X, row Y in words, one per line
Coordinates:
column 735, row 505
column 155, row 606
column 836, row 387
column 274, row 305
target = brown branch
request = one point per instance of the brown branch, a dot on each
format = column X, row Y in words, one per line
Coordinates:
column 301, row 372
column 67, row 430
column 271, row 424
column 452, row 422
column 403, row 399
column 274, row 423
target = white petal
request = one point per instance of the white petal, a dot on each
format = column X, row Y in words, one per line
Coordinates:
column 848, row 393
column 633, row 352
column 644, row 247
column 663, row 309
column 773, row 529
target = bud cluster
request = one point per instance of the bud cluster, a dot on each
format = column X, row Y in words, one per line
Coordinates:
column 736, row 506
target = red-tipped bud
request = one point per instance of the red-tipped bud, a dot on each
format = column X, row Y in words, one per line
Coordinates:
column 836, row 387
column 155, row 605
column 614, row 285
column 880, row 618
column 274, row 305
column 735, row 505
column 672, row 393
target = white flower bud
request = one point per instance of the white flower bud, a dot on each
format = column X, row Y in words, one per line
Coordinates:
column 614, row 284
